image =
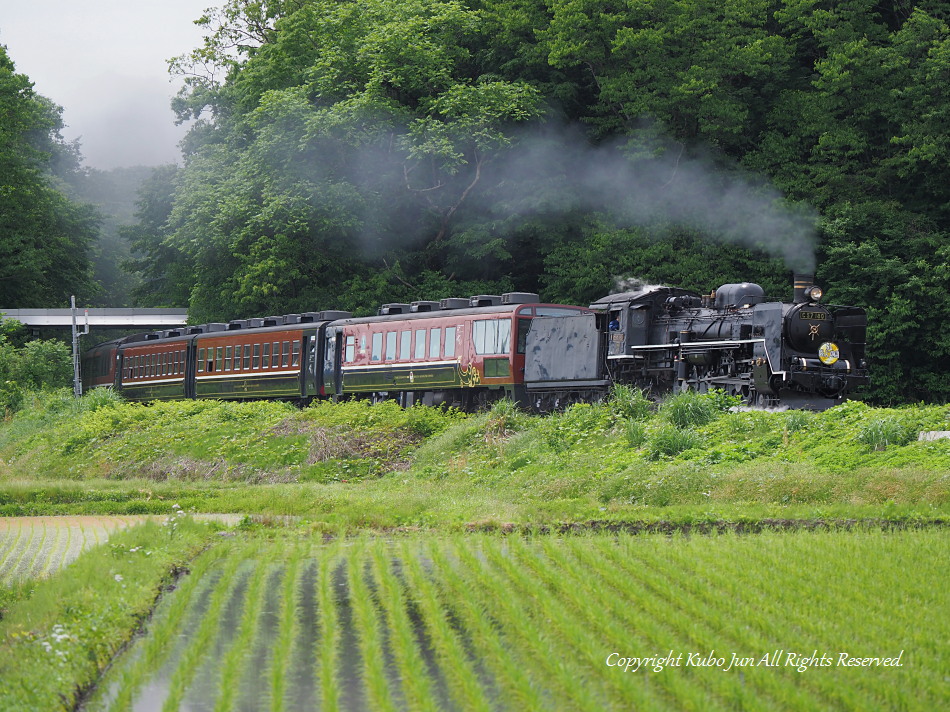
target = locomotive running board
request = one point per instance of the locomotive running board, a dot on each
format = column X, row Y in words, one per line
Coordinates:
column 690, row 345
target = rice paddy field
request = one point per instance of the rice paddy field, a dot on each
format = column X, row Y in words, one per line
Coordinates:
column 613, row 557
column 797, row 621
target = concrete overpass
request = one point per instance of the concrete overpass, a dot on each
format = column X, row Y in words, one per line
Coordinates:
column 145, row 319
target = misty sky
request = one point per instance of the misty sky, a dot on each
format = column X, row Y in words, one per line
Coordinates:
column 104, row 62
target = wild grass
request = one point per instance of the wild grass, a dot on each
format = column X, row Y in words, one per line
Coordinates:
column 355, row 465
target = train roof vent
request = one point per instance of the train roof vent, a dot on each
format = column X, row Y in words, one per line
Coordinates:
column 190, row 330
column 394, row 308
column 453, row 303
column 237, row 324
column 216, row 327
column 484, row 300
column 292, row 318
column 520, row 298
column 273, row 321
column 334, row 314
column 171, row 333
column 425, row 306
column 153, row 335
column 255, row 323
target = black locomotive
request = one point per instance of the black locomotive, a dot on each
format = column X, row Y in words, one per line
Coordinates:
column 470, row 352
column 803, row 354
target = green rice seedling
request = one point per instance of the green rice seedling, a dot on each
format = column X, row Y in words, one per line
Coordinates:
column 520, row 617
column 12, row 548
column 18, row 567
column 661, row 592
column 329, row 691
column 202, row 639
column 459, row 673
column 287, row 630
column 509, row 669
column 611, row 616
column 417, row 687
column 370, row 638
column 236, row 655
column 57, row 552
column 156, row 647
column 574, row 617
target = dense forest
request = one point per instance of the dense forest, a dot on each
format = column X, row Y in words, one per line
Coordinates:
column 345, row 154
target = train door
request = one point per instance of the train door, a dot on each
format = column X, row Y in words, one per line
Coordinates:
column 310, row 368
column 332, row 362
column 191, row 361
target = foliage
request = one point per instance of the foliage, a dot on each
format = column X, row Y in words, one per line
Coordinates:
column 45, row 237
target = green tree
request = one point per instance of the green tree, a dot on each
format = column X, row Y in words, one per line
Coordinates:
column 44, row 237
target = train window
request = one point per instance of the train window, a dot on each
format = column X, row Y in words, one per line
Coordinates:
column 285, row 354
column 420, row 343
column 524, row 325
column 237, row 357
column 377, row 352
column 228, row 353
column 265, row 362
column 405, row 345
column 350, row 349
column 201, row 360
column 275, row 361
column 247, row 356
column 391, row 346
column 435, row 343
column 219, row 358
column 450, row 342
column 295, row 354
column 492, row 336
column 257, row 357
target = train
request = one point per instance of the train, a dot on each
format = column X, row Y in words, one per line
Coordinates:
column 469, row 352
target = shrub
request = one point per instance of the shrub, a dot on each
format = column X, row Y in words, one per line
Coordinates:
column 628, row 402
column 635, row 433
column 688, row 408
column 672, row 440
column 879, row 433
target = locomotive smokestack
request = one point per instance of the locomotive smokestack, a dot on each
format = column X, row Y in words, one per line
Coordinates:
column 802, row 281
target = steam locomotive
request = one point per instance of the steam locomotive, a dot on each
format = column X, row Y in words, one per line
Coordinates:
column 470, row 352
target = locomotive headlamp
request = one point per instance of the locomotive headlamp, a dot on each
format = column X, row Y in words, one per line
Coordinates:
column 814, row 293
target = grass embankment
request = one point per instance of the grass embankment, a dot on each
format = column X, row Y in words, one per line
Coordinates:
column 353, row 465
column 279, row 619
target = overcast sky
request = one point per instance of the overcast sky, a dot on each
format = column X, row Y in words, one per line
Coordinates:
column 104, row 62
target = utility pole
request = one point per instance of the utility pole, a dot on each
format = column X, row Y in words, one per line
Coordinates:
column 77, row 383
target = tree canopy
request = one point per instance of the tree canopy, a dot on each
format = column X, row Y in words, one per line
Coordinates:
column 45, row 237
column 350, row 153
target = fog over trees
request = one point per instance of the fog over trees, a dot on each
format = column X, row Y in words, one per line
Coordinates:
column 345, row 154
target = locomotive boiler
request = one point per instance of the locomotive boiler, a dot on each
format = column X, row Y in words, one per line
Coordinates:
column 800, row 354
